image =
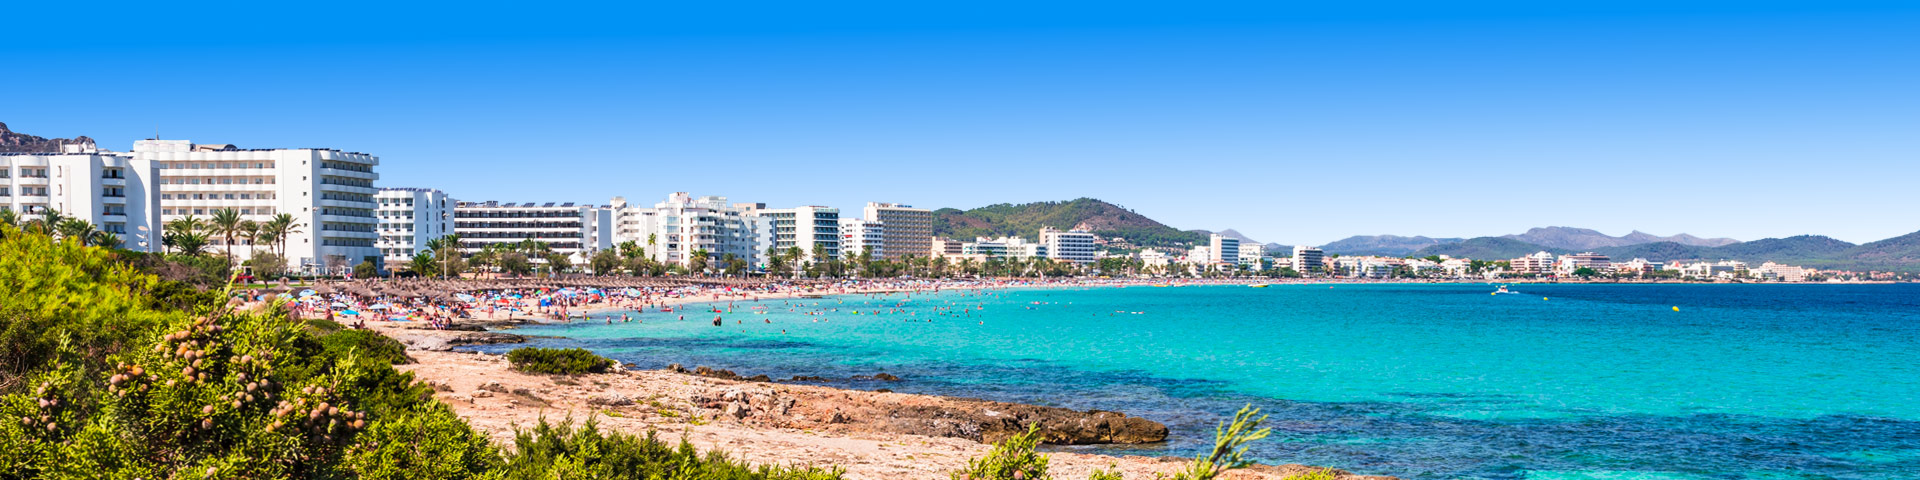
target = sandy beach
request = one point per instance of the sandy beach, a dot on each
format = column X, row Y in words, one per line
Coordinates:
column 874, row 435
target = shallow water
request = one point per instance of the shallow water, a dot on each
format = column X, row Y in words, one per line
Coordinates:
column 1418, row 381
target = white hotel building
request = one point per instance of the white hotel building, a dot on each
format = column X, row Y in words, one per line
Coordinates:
column 113, row 191
column 409, row 217
column 684, row 224
column 804, row 227
column 328, row 192
column 859, row 234
column 1075, row 246
column 577, row 231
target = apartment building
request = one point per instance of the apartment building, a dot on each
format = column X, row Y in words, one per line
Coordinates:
column 1569, row 263
column 409, row 218
column 806, row 228
column 859, row 234
column 577, row 231
column 1537, row 263
column 1308, row 259
column 328, row 192
column 1223, row 249
column 113, row 191
column 909, row 231
column 1075, row 246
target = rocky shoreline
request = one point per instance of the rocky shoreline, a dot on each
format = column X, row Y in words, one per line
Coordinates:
column 874, row 434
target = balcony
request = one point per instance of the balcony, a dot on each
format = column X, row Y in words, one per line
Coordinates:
column 328, row 187
column 113, row 217
column 113, row 182
column 114, row 199
column 342, row 173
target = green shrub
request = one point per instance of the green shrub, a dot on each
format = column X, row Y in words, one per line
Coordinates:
column 559, row 361
column 549, row 451
column 1111, row 473
column 58, row 291
column 425, row 442
column 1229, row 445
column 1011, row 458
column 368, row 345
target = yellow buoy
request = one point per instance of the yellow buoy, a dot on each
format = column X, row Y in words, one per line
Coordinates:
column 1543, row 298
column 1493, row 293
column 1676, row 308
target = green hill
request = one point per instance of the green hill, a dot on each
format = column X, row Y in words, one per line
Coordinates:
column 1486, row 248
column 1024, row 220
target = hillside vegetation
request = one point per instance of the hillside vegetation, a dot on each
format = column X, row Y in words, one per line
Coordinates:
column 1024, row 220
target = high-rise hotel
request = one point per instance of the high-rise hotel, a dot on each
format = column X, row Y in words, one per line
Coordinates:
column 328, row 192
column 113, row 191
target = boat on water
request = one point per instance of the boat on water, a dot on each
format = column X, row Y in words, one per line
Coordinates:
column 1258, row 285
column 1503, row 289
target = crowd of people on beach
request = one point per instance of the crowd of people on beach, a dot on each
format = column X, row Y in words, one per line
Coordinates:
column 442, row 303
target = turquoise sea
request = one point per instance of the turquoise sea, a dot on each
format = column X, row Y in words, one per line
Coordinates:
column 1417, row 381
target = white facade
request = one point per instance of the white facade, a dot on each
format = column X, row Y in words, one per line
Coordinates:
column 114, row 192
column 1221, row 249
column 684, row 224
column 577, row 231
column 1250, row 254
column 806, row 228
column 909, row 231
column 328, row 192
column 1308, row 259
column 1595, row 261
column 858, row 234
column 409, row 218
column 1075, row 246
column 1539, row 262
column 1153, row 258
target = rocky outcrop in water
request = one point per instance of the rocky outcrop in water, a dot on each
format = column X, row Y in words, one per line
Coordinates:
column 807, row 407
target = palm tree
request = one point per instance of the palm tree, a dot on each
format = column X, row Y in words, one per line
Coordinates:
column 282, row 226
column 250, row 231
column 186, row 242
column 48, row 224
column 651, row 241
column 106, row 239
column 226, row 223
column 75, row 229
column 186, row 224
column 9, row 218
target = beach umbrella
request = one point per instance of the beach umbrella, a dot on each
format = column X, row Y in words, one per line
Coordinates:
column 339, row 304
column 306, row 293
column 378, row 306
column 463, row 297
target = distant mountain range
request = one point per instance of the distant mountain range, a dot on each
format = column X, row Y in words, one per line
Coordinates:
column 1024, row 220
column 1582, row 238
column 11, row 142
column 1565, row 238
column 1900, row 253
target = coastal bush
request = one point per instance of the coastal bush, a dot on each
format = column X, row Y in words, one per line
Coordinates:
column 557, row 361
column 1112, row 473
column 1011, row 459
column 114, row 384
column 60, row 292
column 559, row 450
column 369, row 345
column 1229, row 446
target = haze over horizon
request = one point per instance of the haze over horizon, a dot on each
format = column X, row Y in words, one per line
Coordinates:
column 1294, row 124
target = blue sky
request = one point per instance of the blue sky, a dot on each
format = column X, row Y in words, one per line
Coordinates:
column 1292, row 122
